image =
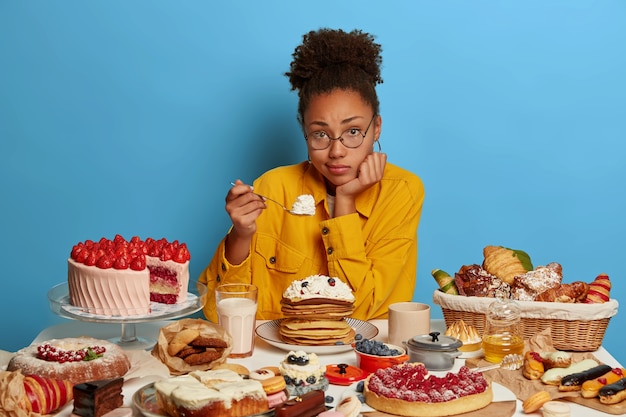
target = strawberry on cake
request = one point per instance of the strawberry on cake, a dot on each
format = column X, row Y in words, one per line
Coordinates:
column 408, row 390
column 120, row 278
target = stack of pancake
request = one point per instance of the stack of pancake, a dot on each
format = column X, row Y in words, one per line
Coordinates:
column 315, row 311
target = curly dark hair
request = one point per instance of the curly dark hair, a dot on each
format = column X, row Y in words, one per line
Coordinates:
column 330, row 59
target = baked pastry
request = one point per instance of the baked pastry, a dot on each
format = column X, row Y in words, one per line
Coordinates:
column 535, row 401
column 533, row 367
column 96, row 398
column 575, row 292
column 556, row 359
column 527, row 286
column 445, row 281
column 315, row 309
column 32, row 394
column 407, row 391
column 120, row 278
column 77, row 360
column 303, row 372
column 467, row 334
column 591, row 388
column 473, row 280
column 599, row 290
column 273, row 384
column 506, row 263
column 214, row 393
column 553, row 376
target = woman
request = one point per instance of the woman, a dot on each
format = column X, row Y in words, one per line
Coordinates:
column 364, row 230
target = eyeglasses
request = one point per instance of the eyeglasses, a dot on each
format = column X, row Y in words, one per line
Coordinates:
column 350, row 138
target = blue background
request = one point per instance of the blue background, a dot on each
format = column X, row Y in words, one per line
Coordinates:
column 133, row 117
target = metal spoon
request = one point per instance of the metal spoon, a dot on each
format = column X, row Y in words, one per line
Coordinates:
column 510, row 362
column 295, row 213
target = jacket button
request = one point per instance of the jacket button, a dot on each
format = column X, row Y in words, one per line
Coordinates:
column 330, row 250
column 218, row 279
column 223, row 267
column 325, row 230
column 273, row 260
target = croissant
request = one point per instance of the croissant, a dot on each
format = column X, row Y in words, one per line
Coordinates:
column 506, row 263
column 565, row 293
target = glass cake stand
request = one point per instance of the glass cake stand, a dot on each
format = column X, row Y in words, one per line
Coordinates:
column 59, row 299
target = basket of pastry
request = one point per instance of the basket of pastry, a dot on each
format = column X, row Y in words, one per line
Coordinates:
column 192, row 345
column 577, row 313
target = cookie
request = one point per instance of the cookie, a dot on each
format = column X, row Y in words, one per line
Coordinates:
column 182, row 339
column 207, row 356
column 213, row 342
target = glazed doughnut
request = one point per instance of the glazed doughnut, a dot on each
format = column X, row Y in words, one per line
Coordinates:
column 535, row 401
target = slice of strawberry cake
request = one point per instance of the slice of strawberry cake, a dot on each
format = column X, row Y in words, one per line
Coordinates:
column 120, row 278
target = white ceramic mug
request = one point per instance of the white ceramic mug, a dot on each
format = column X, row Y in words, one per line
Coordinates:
column 408, row 319
column 236, row 310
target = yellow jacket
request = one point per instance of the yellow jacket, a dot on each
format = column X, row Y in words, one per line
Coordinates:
column 374, row 250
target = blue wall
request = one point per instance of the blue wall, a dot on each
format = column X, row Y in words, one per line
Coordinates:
column 132, row 117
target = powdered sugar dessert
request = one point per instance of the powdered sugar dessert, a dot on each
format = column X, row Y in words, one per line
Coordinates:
column 304, row 204
column 120, row 278
column 408, row 390
column 78, row 360
column 315, row 309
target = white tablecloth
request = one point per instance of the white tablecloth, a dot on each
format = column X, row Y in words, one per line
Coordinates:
column 264, row 355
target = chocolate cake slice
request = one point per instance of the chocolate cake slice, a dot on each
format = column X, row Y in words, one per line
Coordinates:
column 96, row 398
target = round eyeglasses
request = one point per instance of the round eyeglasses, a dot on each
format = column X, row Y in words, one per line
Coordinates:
column 350, row 138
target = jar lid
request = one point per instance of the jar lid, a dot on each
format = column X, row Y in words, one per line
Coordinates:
column 435, row 341
column 344, row 374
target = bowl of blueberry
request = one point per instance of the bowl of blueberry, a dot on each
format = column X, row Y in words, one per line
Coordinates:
column 372, row 355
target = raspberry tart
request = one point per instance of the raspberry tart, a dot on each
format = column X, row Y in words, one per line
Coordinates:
column 120, row 278
column 408, row 390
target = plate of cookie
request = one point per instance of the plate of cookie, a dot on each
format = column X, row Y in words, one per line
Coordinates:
column 270, row 333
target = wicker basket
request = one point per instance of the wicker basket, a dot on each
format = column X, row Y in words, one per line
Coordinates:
column 573, row 327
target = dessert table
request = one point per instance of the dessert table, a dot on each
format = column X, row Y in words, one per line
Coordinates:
column 269, row 355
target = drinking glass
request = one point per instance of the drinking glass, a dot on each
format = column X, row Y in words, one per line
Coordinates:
column 236, row 311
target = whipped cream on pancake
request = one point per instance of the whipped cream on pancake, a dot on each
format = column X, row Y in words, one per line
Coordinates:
column 319, row 286
column 304, row 204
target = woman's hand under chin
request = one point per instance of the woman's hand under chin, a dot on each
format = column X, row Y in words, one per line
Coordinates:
column 370, row 172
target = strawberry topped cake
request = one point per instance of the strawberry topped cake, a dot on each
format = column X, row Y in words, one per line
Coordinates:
column 120, row 278
column 408, row 390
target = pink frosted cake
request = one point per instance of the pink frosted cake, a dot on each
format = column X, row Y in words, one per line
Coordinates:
column 120, row 278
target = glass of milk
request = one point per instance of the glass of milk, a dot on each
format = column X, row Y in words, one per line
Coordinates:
column 236, row 311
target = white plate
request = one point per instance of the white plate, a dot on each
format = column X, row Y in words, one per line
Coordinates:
column 268, row 331
column 500, row 393
column 145, row 401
